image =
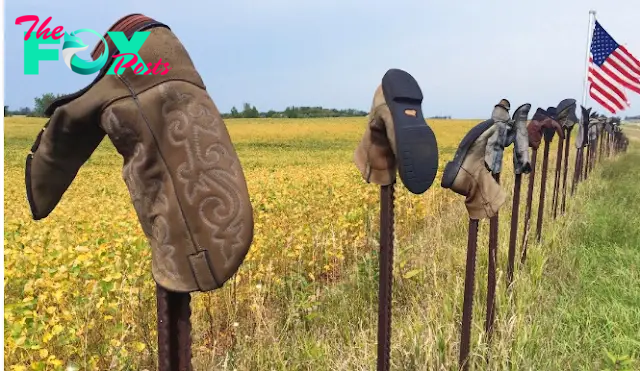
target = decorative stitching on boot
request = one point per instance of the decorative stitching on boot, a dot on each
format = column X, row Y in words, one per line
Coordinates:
column 147, row 198
column 206, row 168
column 155, row 140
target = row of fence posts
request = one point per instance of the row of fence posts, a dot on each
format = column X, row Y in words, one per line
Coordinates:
column 602, row 138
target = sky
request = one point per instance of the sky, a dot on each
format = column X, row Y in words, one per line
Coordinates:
column 466, row 55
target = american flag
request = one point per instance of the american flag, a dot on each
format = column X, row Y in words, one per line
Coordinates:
column 611, row 69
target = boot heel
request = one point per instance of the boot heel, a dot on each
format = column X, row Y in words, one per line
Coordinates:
column 449, row 174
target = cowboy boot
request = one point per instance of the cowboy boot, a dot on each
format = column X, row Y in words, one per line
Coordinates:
column 520, row 139
column 567, row 112
column 181, row 169
column 467, row 174
column 581, row 143
column 498, row 141
column 396, row 126
column 375, row 155
column 551, row 111
column 583, row 128
column 536, row 129
column 566, row 115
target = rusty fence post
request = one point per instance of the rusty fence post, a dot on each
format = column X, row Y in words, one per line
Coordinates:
column 527, row 212
column 566, row 170
column 513, row 235
column 386, row 276
column 556, row 180
column 467, row 305
column 174, row 330
column 543, row 186
column 491, row 273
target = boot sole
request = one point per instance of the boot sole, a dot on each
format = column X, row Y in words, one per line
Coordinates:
column 452, row 168
column 417, row 149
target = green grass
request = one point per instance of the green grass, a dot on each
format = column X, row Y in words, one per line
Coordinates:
column 595, row 279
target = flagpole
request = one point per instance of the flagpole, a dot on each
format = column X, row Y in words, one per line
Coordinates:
column 592, row 17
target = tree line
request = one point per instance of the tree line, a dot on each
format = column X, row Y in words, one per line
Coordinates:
column 248, row 110
column 39, row 105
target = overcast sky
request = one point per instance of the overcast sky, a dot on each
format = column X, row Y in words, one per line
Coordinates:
column 466, row 55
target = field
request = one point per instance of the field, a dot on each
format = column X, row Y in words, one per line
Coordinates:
column 78, row 287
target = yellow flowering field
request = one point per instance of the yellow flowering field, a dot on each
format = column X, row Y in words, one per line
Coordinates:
column 78, row 286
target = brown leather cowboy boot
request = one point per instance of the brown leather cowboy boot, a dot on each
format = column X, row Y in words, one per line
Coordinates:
column 397, row 136
column 375, row 155
column 468, row 175
column 181, row 169
column 542, row 120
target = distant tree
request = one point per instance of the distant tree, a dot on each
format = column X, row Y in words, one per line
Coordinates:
column 291, row 112
column 234, row 112
column 42, row 102
column 246, row 109
column 254, row 112
column 25, row 111
column 7, row 113
column 250, row 111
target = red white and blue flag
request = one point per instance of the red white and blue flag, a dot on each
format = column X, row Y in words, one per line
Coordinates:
column 612, row 69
